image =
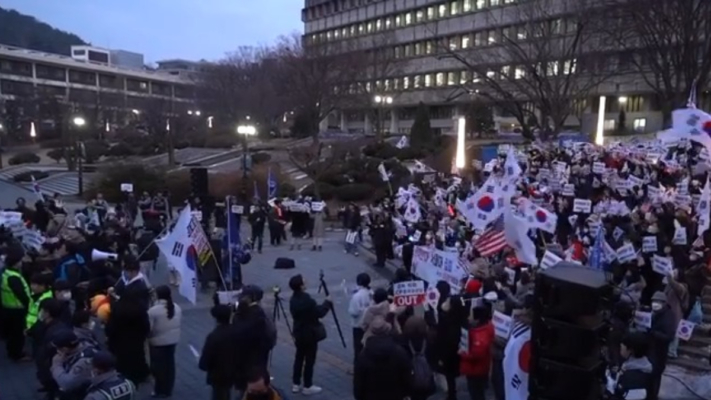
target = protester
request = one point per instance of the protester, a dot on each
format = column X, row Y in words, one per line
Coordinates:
column 253, row 335
column 165, row 318
column 475, row 360
column 259, row 387
column 127, row 330
column 308, row 332
column 360, row 301
column 15, row 300
column 106, row 380
column 219, row 356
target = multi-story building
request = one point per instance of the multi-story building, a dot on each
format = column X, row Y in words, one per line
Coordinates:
column 91, row 77
column 416, row 28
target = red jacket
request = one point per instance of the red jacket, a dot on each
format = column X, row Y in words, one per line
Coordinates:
column 477, row 361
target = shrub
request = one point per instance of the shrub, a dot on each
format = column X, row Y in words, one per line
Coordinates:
column 183, row 144
column 143, row 178
column 260, row 158
column 221, row 142
column 24, row 158
column 355, row 192
column 121, row 149
column 381, row 150
column 27, row 176
column 51, row 144
column 56, row 154
column 286, row 189
column 94, row 150
column 325, row 191
column 336, row 177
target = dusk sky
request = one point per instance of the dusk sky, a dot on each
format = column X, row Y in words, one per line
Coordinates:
column 163, row 29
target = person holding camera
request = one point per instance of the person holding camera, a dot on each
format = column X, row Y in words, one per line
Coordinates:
column 308, row 331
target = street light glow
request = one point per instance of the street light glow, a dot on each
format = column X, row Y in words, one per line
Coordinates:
column 460, row 161
column 79, row 121
column 247, row 130
column 190, row 112
column 135, row 112
column 198, row 113
column 600, row 134
column 33, row 131
column 383, row 99
column 209, row 122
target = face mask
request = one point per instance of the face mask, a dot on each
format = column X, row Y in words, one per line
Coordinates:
column 656, row 306
column 66, row 296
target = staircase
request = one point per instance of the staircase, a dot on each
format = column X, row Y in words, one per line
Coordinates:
column 695, row 353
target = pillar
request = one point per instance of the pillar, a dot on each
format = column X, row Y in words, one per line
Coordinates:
column 344, row 123
column 394, row 128
column 367, row 128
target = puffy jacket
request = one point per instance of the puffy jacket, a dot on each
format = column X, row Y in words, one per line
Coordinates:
column 477, row 360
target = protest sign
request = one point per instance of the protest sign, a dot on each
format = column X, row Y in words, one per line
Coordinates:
column 502, row 324
column 684, row 330
column 409, row 293
column 434, row 265
column 643, row 319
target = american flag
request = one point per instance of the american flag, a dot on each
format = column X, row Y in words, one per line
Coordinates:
column 493, row 240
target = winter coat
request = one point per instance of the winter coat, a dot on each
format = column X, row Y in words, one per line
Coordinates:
column 383, row 371
column 476, row 361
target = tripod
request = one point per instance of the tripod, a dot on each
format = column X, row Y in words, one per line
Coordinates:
column 324, row 288
column 277, row 314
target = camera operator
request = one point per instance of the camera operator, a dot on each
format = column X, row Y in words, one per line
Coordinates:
column 308, row 331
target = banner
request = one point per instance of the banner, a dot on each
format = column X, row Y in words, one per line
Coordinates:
column 232, row 243
column 434, row 265
column 187, row 250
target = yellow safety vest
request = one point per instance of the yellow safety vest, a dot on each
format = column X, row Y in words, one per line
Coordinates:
column 33, row 310
column 9, row 300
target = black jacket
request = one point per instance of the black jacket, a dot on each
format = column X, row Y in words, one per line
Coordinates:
column 383, row 371
column 219, row 356
column 306, row 314
column 43, row 335
column 250, row 330
column 662, row 333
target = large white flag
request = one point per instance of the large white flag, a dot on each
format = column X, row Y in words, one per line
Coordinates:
column 516, row 232
column 187, row 249
column 484, row 206
column 402, row 143
column 538, row 217
column 692, row 124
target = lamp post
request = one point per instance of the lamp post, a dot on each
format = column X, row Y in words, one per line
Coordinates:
column 2, row 132
column 209, row 122
column 79, row 151
column 381, row 102
column 245, row 131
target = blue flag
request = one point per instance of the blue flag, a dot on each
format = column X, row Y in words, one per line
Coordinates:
column 596, row 260
column 232, row 245
column 271, row 185
column 256, row 191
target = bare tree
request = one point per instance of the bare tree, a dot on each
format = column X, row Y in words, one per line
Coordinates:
column 311, row 76
column 157, row 115
column 539, row 62
column 668, row 43
column 317, row 159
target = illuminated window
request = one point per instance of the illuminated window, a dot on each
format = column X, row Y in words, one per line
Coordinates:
column 495, row 3
column 417, row 83
column 419, row 16
column 454, row 8
column 492, row 37
column 466, row 41
column 464, row 77
column 519, row 73
column 329, row 35
column 521, row 34
column 431, row 13
column 388, row 22
column 440, row 79
column 639, row 124
column 337, row 34
column 452, row 78
column 361, row 29
column 480, row 4
column 609, row 124
column 490, row 74
column 442, row 11
column 428, row 47
column 569, row 66
column 428, row 80
column 467, row 6
column 418, row 49
column 505, row 70
column 553, row 68
column 398, row 20
column 406, row 82
column 369, row 27
column 378, row 24
column 408, row 18
column 454, row 43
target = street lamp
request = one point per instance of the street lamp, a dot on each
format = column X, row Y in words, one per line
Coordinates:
column 209, row 122
column 245, row 131
column 135, row 112
column 79, row 153
column 381, row 102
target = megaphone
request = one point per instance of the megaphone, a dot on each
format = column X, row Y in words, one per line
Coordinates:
column 97, row 255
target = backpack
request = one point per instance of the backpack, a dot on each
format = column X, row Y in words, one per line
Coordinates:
column 422, row 375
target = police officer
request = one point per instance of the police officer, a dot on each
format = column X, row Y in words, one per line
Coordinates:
column 41, row 287
column 72, row 365
column 15, row 299
column 107, row 383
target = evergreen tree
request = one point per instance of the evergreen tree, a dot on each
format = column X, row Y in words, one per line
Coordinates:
column 480, row 117
column 421, row 133
column 622, row 121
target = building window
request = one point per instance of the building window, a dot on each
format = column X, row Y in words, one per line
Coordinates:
column 609, row 125
column 519, row 73
column 493, row 37
column 464, row 77
column 418, row 49
column 406, row 82
column 442, row 12
column 417, row 83
column 361, row 29
column 369, row 27
column 505, row 71
column 452, row 78
column 639, row 124
column 495, row 3
column 454, row 8
column 388, row 22
column 408, row 50
column 480, row 4
column 431, row 13
column 428, row 80
column 408, row 18
column 479, row 38
column 467, row 6
column 490, row 74
column 429, row 49
column 466, row 39
column 454, row 43
column 419, row 16
column 440, row 79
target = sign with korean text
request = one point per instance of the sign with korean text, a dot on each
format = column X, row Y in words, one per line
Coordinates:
column 409, row 293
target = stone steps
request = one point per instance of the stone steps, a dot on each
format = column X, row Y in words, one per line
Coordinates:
column 696, row 353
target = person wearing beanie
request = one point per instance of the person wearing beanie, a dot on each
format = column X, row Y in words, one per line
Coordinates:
column 383, row 370
column 15, row 299
column 380, row 308
column 106, row 382
column 308, row 331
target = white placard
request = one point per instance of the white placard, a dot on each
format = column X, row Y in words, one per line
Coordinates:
column 617, row 233
column 9, row 217
column 197, row 215
column 236, row 209
column 318, row 206
column 643, row 319
column 127, row 187
column 626, row 253
column 409, row 293
column 351, row 237
column 662, row 265
column 684, row 330
column 416, row 236
column 464, row 341
column 582, row 206
column 502, row 324
column 549, row 259
column 253, row 209
column 598, row 168
column 568, row 190
column 649, row 244
column 680, row 236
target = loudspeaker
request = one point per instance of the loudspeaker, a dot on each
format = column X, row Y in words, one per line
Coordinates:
column 199, row 182
column 97, row 255
column 567, row 334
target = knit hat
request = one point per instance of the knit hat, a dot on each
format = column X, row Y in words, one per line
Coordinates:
column 660, row 297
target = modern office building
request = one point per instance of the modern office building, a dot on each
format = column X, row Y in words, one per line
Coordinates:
column 91, row 77
column 415, row 29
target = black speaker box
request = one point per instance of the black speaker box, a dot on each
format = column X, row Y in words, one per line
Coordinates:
column 557, row 381
column 570, row 289
column 199, row 182
column 284, row 263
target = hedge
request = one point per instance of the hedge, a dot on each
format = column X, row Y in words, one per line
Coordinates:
column 24, row 158
column 56, row 154
column 326, row 191
column 27, row 176
column 121, row 149
column 147, row 179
